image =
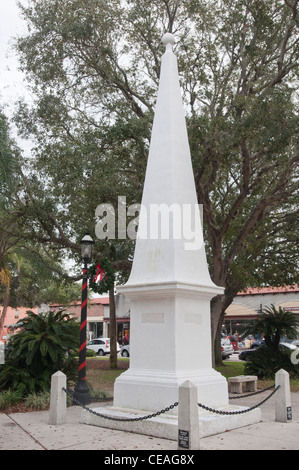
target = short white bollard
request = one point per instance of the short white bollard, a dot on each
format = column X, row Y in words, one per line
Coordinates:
column 283, row 406
column 188, row 421
column 57, row 414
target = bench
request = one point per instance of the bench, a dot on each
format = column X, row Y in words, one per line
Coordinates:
column 236, row 383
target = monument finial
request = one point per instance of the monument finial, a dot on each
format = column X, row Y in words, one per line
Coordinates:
column 168, row 40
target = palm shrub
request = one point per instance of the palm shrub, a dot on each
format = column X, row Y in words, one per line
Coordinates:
column 274, row 324
column 265, row 362
column 44, row 344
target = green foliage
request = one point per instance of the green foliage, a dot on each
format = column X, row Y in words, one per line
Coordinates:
column 274, row 323
column 18, row 378
column 93, row 67
column 265, row 362
column 8, row 157
column 45, row 344
column 9, row 398
column 107, row 276
column 38, row 401
column 90, row 353
column 37, row 279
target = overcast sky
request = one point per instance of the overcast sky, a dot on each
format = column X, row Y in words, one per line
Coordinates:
column 12, row 85
column 11, row 25
column 11, row 80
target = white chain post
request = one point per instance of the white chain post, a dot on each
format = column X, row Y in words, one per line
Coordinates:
column 57, row 413
column 188, row 420
column 283, row 406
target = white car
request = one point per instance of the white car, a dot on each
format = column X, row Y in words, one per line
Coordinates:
column 226, row 348
column 125, row 351
column 101, row 346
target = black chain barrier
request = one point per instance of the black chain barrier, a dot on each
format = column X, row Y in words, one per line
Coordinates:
column 98, row 399
column 168, row 408
column 252, row 393
column 112, row 418
column 219, row 412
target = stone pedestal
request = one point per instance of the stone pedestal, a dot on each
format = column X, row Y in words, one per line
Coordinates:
column 170, row 343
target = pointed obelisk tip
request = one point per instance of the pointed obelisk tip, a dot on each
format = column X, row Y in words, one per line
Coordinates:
column 168, row 40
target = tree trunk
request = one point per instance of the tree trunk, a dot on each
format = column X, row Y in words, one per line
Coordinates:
column 113, row 349
column 217, row 315
column 218, row 306
column 5, row 306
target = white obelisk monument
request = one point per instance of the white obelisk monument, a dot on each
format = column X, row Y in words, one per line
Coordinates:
column 169, row 288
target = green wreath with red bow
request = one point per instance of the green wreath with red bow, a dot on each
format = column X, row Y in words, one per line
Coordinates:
column 101, row 276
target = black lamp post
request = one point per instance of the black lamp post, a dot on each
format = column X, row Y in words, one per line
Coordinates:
column 81, row 392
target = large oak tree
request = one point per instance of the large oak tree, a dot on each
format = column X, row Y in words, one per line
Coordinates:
column 93, row 68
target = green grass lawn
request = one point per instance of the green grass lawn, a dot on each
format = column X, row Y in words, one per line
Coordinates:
column 231, row 369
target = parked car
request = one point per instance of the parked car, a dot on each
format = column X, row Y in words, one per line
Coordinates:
column 125, row 351
column 257, row 343
column 226, row 348
column 245, row 355
column 101, row 346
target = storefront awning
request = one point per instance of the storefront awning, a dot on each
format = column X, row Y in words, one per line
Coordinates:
column 236, row 311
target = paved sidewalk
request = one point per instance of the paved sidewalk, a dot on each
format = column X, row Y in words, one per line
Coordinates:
column 30, row 431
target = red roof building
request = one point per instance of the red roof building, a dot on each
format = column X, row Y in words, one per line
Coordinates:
column 248, row 303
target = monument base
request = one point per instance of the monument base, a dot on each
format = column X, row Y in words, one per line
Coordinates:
column 166, row 425
column 153, row 390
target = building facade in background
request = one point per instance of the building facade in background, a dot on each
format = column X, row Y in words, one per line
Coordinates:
column 247, row 304
column 240, row 313
column 13, row 315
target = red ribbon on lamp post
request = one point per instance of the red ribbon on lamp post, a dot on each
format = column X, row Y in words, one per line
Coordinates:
column 81, row 391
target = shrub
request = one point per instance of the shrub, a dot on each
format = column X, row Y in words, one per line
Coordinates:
column 89, row 353
column 45, row 344
column 9, row 398
column 265, row 362
column 274, row 323
column 38, row 401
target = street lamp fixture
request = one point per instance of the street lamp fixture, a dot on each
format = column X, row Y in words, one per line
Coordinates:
column 81, row 392
column 86, row 247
